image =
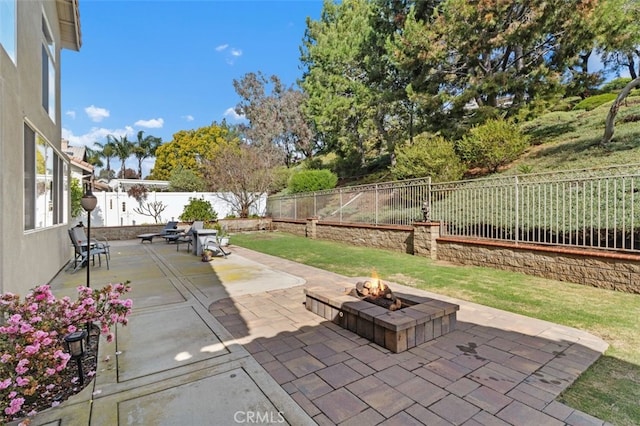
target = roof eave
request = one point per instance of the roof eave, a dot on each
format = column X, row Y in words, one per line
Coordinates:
column 69, row 20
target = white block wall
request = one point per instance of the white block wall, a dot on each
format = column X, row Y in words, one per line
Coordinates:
column 110, row 212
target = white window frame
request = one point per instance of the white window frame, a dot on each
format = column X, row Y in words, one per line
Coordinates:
column 48, row 69
column 46, row 185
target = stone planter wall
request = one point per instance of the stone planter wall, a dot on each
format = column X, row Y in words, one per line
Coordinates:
column 397, row 238
column 615, row 271
column 598, row 268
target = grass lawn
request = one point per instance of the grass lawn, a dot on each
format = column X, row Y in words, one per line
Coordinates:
column 609, row 390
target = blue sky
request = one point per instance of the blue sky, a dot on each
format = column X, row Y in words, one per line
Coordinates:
column 162, row 66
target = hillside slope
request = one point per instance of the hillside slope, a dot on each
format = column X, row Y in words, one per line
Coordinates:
column 570, row 140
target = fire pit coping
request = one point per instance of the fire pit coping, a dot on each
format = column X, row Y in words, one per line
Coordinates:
column 420, row 320
column 422, row 309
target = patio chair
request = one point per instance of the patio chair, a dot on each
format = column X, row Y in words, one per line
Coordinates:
column 99, row 243
column 169, row 229
column 83, row 250
column 186, row 237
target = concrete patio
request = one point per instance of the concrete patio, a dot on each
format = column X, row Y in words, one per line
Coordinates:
column 230, row 342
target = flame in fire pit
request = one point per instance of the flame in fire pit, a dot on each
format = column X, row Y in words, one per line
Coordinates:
column 376, row 291
column 375, row 285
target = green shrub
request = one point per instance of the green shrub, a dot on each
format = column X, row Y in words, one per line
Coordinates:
column 198, row 209
column 312, row 180
column 615, row 84
column 593, row 102
column 76, row 198
column 429, row 155
column 186, row 180
column 493, row 144
column 281, row 175
column 566, row 104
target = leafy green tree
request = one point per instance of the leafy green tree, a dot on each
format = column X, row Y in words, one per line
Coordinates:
column 341, row 104
column 312, row 180
column 495, row 53
column 144, row 148
column 191, row 149
column 275, row 118
column 428, row 155
column 185, row 180
column 198, row 209
column 619, row 36
column 493, row 144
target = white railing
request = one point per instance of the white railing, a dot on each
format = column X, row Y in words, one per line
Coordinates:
column 597, row 208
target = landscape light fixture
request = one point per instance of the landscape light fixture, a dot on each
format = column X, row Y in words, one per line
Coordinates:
column 74, row 343
column 89, row 202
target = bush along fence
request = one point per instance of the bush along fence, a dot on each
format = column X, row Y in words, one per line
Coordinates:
column 580, row 226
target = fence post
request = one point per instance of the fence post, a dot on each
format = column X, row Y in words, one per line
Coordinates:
column 376, row 198
column 517, row 213
column 340, row 191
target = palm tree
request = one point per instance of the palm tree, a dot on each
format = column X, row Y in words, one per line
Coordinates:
column 122, row 149
column 94, row 157
column 107, row 152
column 145, row 148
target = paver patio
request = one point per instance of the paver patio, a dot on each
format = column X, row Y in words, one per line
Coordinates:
column 243, row 340
column 495, row 368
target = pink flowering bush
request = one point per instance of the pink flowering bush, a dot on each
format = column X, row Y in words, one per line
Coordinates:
column 32, row 331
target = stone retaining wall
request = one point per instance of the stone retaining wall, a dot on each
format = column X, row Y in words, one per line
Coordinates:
column 397, row 238
column 614, row 271
column 598, row 268
column 113, row 233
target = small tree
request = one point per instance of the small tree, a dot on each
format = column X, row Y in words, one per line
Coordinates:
column 153, row 209
column 241, row 174
column 428, row 155
column 611, row 117
column 76, row 198
column 198, row 209
column 139, row 192
column 493, row 144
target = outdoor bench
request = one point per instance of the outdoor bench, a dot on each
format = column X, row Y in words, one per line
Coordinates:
column 147, row 237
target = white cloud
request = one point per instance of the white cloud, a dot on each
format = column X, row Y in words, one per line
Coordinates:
column 231, row 54
column 233, row 115
column 154, row 123
column 71, row 114
column 96, row 134
column 96, row 114
column 188, row 117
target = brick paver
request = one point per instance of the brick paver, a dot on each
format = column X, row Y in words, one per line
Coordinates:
column 495, row 369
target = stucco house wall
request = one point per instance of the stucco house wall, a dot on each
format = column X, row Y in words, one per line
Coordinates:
column 33, row 257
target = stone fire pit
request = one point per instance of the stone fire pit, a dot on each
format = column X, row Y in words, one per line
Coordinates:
column 419, row 320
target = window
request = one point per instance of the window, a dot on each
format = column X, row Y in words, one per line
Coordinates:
column 8, row 27
column 48, row 71
column 46, row 189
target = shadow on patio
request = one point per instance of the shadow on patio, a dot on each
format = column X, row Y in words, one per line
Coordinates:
column 233, row 336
